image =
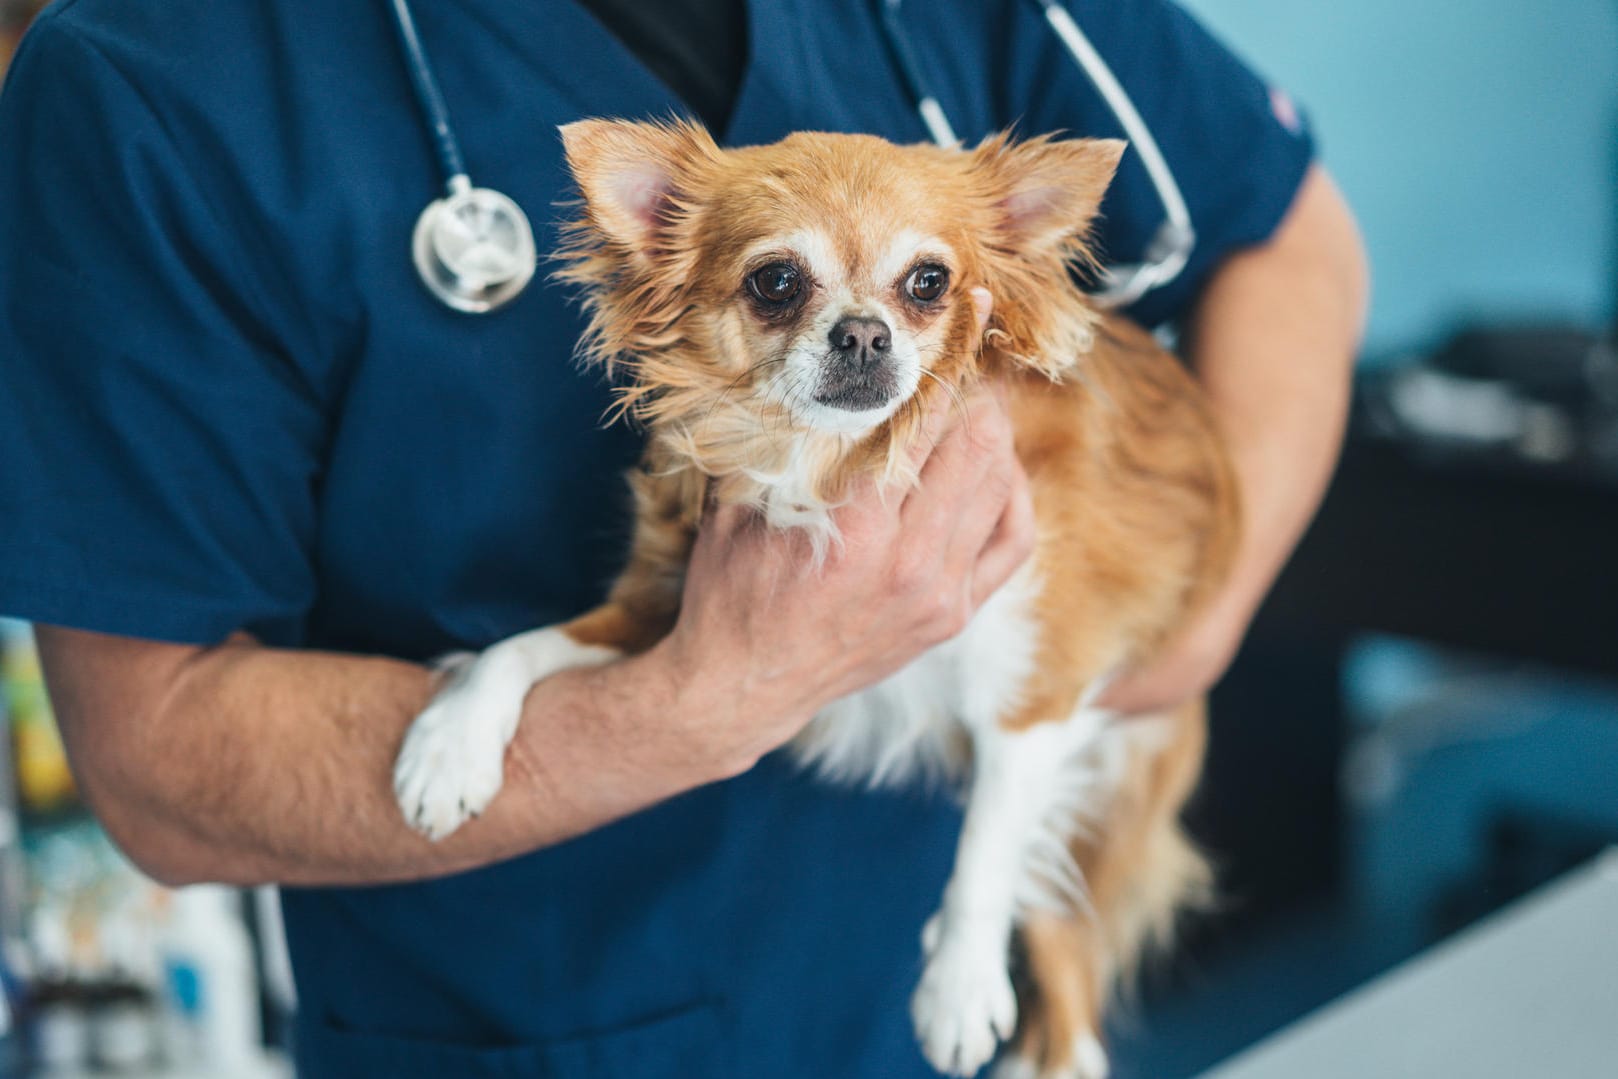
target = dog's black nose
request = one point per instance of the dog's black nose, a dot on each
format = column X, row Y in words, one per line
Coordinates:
column 861, row 340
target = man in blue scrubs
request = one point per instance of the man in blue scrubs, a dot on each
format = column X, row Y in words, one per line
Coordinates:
column 252, row 474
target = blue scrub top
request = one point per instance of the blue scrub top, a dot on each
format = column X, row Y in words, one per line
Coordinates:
column 226, row 402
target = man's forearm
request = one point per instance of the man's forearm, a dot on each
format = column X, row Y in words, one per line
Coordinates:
column 299, row 750
column 1273, row 340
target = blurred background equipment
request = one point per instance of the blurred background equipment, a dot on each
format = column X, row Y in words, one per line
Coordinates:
column 105, row 971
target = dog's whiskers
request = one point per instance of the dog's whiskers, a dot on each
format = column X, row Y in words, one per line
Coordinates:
column 773, row 406
column 737, row 381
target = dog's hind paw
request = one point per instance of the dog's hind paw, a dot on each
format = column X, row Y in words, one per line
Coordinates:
column 1088, row 1060
column 1014, row 1066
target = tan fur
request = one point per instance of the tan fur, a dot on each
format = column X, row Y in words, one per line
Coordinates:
column 1136, row 510
column 1135, row 502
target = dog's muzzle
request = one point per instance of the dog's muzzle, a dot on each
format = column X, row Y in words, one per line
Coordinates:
column 857, row 372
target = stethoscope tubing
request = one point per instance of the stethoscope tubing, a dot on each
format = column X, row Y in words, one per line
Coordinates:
column 1170, row 248
column 473, row 248
column 446, row 147
column 1167, row 254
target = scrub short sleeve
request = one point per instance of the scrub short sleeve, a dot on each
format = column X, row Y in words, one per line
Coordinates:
column 158, row 452
column 1238, row 147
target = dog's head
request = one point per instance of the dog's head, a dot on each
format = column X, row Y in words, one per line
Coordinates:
column 817, row 291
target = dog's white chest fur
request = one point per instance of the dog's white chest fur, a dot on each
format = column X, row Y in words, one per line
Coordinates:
column 917, row 723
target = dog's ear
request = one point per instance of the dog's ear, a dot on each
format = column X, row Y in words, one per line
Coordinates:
column 1042, row 196
column 1046, row 191
column 632, row 174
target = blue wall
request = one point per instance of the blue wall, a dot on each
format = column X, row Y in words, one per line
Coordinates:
column 1477, row 140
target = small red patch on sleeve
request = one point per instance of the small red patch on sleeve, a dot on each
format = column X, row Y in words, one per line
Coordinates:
column 1286, row 113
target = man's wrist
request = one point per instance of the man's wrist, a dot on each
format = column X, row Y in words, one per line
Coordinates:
column 646, row 721
column 695, row 704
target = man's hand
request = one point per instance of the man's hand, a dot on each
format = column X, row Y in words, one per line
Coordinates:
column 1187, row 668
column 1273, row 340
column 766, row 637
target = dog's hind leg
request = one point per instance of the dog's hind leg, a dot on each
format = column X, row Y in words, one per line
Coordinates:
column 1023, row 786
column 1139, row 871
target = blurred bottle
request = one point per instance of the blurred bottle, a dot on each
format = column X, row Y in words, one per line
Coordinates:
column 60, row 1015
column 212, row 982
column 123, row 1026
column 58, row 1001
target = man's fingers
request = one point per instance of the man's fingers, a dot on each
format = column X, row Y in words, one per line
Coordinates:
column 967, row 485
column 967, row 450
column 974, row 520
column 937, row 418
column 866, row 503
column 1010, row 544
column 982, row 306
column 948, row 456
column 948, row 412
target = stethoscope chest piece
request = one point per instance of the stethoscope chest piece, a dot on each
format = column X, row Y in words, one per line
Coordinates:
column 474, row 248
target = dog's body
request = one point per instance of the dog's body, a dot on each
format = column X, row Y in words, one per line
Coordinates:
column 1071, row 834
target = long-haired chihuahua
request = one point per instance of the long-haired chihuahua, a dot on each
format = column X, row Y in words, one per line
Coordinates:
column 776, row 317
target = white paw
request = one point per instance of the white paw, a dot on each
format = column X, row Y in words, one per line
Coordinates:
column 965, row 1004
column 453, row 758
column 1089, row 1061
column 1012, row 1066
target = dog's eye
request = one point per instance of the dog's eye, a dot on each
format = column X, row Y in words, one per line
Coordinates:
column 927, row 283
column 776, row 283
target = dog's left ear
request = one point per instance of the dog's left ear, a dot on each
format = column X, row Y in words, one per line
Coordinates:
column 1046, row 191
column 632, row 174
column 1042, row 196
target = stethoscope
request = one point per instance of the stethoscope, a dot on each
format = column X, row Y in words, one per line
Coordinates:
column 474, row 247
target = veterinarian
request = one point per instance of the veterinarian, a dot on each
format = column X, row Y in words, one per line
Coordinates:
column 253, row 474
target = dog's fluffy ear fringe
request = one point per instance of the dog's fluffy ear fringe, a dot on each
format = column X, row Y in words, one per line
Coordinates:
column 627, row 249
column 1043, row 195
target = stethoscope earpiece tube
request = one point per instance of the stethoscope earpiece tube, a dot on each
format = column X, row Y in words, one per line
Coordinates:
column 932, row 113
column 428, row 95
column 1170, row 247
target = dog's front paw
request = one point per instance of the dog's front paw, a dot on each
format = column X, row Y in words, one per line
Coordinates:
column 453, row 758
column 965, row 1004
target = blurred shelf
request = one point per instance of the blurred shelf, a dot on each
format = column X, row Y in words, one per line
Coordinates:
column 1527, row 992
column 1479, row 554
